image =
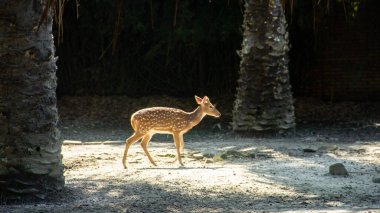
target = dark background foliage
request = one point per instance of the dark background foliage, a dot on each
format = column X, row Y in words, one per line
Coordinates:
column 197, row 55
column 190, row 48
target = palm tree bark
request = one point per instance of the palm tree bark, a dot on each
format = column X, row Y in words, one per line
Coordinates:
column 264, row 100
column 30, row 149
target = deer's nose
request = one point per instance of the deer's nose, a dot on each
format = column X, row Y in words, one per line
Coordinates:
column 218, row 114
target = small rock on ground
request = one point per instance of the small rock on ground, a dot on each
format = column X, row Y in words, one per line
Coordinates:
column 198, row 156
column 209, row 161
column 328, row 148
column 338, row 169
column 376, row 179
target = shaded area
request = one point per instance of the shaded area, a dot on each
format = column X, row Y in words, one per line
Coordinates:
column 107, row 118
column 332, row 56
column 344, row 64
column 154, row 55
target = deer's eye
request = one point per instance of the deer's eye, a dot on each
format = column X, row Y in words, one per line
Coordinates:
column 210, row 107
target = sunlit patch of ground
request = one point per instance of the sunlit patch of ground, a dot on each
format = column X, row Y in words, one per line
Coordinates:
column 282, row 181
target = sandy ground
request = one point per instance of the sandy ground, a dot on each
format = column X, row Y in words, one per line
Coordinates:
column 223, row 172
column 263, row 175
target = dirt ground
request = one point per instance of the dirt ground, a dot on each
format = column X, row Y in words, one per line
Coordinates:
column 223, row 172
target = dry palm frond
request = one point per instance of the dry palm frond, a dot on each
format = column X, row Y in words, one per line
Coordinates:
column 77, row 4
column 49, row 5
column 151, row 13
column 119, row 9
column 175, row 13
column 57, row 7
column 328, row 6
column 59, row 19
column 314, row 15
column 291, row 7
column 345, row 10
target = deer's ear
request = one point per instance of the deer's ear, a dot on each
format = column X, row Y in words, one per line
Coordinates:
column 205, row 99
column 198, row 100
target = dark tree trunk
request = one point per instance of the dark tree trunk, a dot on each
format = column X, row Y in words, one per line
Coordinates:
column 30, row 149
column 264, row 99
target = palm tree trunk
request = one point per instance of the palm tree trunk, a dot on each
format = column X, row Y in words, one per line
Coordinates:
column 30, row 149
column 264, row 99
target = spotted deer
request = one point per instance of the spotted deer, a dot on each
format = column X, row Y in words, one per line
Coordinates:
column 149, row 121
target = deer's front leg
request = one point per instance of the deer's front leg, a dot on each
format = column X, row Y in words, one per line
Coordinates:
column 135, row 137
column 144, row 144
column 182, row 143
column 178, row 137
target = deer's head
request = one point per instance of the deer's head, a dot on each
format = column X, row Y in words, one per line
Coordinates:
column 207, row 107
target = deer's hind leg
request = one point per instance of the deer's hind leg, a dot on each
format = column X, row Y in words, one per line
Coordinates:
column 181, row 146
column 135, row 137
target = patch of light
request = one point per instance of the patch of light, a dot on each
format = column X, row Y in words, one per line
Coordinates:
column 228, row 147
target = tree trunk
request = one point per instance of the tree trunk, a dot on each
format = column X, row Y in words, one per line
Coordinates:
column 30, row 149
column 264, row 99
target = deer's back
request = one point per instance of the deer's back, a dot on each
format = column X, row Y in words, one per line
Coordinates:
column 159, row 119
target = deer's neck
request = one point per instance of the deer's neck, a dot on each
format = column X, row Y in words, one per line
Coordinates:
column 195, row 117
